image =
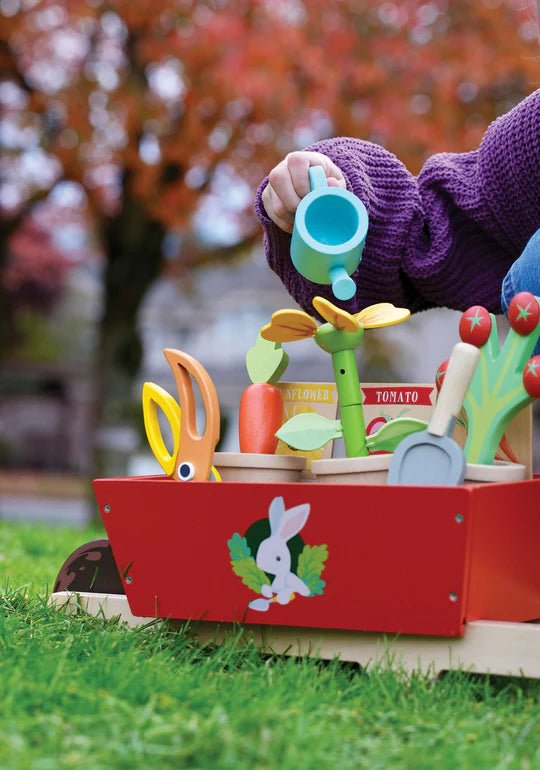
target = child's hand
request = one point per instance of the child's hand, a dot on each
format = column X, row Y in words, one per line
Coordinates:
column 288, row 183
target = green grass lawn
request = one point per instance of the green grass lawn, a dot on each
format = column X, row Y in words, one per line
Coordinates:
column 80, row 693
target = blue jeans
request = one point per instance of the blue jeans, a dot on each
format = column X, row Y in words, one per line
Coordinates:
column 524, row 275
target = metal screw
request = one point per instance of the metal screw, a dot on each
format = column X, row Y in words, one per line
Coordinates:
column 453, row 596
column 107, row 508
column 459, row 518
column 128, row 579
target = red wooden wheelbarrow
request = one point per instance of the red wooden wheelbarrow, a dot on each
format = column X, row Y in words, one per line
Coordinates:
column 442, row 577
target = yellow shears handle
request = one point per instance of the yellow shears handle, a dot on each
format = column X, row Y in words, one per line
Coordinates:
column 154, row 396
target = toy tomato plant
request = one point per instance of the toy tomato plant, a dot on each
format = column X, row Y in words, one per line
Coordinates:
column 261, row 404
column 340, row 337
column 505, row 450
column 506, row 379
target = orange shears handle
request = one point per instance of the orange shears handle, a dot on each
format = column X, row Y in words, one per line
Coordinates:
column 196, row 450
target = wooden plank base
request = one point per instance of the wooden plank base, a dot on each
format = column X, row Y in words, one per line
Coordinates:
column 509, row 649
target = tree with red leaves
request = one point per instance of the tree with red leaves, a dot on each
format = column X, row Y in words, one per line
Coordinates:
column 153, row 108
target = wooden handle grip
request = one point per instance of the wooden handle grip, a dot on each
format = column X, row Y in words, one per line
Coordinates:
column 460, row 371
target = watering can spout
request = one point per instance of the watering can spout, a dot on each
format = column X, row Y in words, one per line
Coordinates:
column 343, row 286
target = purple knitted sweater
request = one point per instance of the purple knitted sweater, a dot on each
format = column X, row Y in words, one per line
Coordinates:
column 444, row 238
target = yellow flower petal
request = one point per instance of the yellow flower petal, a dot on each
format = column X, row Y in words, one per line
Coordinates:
column 288, row 326
column 382, row 314
column 339, row 318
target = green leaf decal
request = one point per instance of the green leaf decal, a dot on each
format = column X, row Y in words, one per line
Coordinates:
column 317, row 587
column 266, row 361
column 389, row 436
column 251, row 575
column 238, row 547
column 310, row 565
column 244, row 565
column 308, row 431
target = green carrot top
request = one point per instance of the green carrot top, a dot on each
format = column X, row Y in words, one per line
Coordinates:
column 266, row 361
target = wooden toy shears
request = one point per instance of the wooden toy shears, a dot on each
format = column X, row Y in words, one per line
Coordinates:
column 192, row 453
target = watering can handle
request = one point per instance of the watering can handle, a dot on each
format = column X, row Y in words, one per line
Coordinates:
column 317, row 177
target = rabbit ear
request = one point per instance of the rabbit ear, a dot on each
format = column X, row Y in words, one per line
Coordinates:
column 275, row 513
column 292, row 521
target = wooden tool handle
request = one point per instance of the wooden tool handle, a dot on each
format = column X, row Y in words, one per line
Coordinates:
column 460, row 371
column 195, row 448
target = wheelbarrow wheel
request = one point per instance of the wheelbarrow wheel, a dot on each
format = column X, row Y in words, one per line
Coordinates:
column 90, row 569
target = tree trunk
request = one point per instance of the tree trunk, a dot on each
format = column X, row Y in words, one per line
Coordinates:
column 133, row 248
column 8, row 227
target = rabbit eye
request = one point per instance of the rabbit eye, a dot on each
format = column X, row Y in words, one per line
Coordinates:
column 186, row 471
column 278, row 558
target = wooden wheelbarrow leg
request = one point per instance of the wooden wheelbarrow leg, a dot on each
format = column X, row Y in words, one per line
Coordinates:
column 508, row 649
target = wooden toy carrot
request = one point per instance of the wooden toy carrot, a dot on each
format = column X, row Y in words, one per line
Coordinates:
column 261, row 404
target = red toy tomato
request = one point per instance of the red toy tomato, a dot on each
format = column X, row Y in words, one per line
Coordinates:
column 439, row 377
column 531, row 377
column 475, row 326
column 261, row 415
column 524, row 313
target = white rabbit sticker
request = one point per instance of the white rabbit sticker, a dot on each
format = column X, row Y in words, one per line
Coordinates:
column 273, row 557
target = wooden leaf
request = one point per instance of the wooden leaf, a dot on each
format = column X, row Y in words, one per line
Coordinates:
column 266, row 361
column 309, row 431
column 387, row 438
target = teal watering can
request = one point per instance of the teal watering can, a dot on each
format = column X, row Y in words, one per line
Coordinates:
column 330, row 228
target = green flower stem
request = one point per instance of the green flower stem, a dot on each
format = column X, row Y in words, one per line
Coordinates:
column 350, row 403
